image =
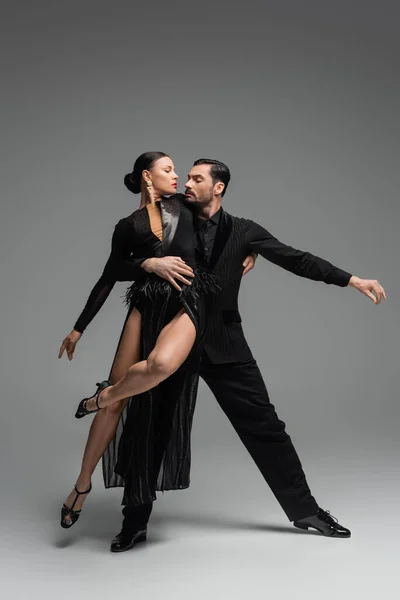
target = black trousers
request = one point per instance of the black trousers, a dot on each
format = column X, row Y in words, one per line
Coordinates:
column 240, row 391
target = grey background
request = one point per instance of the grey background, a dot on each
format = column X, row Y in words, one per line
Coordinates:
column 301, row 100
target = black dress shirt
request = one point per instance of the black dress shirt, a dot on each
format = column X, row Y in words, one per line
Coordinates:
column 205, row 235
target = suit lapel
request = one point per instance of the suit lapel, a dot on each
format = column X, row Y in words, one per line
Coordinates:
column 170, row 210
column 225, row 226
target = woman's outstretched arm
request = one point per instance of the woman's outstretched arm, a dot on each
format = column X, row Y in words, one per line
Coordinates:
column 119, row 267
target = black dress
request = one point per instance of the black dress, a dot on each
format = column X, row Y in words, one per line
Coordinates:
column 151, row 448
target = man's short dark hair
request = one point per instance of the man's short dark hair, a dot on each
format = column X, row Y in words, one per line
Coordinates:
column 218, row 171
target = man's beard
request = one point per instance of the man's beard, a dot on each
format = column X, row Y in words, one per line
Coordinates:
column 199, row 201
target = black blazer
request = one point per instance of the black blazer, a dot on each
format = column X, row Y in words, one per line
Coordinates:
column 235, row 239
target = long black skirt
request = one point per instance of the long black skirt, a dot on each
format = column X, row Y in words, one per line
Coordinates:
column 151, row 449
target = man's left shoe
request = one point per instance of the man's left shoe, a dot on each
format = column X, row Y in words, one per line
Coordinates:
column 125, row 540
column 324, row 523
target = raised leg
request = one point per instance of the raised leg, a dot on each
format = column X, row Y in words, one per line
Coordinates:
column 171, row 350
column 105, row 422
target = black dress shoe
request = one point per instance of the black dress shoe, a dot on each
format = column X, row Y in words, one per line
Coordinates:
column 324, row 523
column 125, row 540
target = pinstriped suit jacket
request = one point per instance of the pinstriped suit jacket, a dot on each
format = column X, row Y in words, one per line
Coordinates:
column 235, row 239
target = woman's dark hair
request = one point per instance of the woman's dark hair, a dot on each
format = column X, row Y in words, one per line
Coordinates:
column 144, row 162
column 218, row 171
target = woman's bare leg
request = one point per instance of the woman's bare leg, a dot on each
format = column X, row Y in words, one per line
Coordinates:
column 172, row 348
column 105, row 422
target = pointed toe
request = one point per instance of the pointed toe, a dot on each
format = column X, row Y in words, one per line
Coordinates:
column 325, row 523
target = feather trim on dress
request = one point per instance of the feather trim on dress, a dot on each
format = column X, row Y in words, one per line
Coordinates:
column 203, row 283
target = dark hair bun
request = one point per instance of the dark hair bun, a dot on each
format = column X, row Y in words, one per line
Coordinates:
column 145, row 161
column 132, row 183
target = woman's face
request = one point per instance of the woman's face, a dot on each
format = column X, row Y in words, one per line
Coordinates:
column 163, row 177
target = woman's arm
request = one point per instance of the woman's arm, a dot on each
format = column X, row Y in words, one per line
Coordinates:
column 97, row 297
column 119, row 267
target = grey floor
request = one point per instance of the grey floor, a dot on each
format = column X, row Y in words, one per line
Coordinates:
column 226, row 536
column 219, row 538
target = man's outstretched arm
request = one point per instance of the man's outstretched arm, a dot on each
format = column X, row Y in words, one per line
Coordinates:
column 305, row 264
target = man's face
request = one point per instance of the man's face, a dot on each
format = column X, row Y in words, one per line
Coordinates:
column 199, row 186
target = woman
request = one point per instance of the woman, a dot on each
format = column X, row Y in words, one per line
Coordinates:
column 145, row 438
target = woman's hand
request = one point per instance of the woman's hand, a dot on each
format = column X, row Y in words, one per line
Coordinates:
column 249, row 263
column 69, row 344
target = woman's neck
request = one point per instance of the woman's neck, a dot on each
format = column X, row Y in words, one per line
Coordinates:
column 145, row 199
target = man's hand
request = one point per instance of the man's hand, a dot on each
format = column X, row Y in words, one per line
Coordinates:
column 249, row 263
column 367, row 286
column 169, row 268
column 69, row 344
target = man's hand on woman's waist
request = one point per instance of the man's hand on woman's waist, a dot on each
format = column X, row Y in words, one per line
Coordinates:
column 169, row 268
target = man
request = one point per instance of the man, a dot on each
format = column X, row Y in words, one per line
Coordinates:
column 228, row 366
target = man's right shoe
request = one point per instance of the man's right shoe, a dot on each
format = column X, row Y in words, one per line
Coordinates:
column 325, row 523
column 125, row 540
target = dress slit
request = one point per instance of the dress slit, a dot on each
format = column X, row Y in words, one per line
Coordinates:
column 151, row 448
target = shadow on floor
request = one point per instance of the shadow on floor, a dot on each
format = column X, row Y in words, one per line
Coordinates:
column 218, row 522
column 102, row 520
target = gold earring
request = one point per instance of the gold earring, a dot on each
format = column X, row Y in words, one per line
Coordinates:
column 149, row 185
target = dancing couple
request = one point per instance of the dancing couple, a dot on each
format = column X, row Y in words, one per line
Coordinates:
column 185, row 257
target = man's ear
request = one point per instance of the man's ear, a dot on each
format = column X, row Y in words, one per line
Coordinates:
column 219, row 188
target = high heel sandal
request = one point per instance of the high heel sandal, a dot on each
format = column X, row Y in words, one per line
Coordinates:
column 82, row 410
column 69, row 510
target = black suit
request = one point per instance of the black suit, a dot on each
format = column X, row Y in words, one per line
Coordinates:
column 231, row 372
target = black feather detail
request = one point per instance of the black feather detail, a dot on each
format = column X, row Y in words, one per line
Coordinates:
column 203, row 283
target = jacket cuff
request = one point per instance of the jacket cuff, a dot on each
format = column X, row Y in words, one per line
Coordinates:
column 339, row 277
